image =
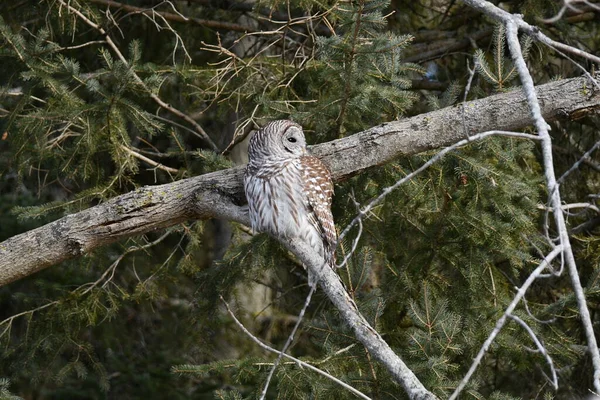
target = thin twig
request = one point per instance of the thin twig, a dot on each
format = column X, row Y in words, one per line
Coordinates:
column 586, row 156
column 299, row 362
column 541, row 348
column 356, row 239
column 520, row 293
column 178, row 17
column 467, row 89
column 569, row 206
column 593, row 80
column 10, row 319
column 536, row 319
column 114, row 265
column 150, row 161
column 289, row 340
column 554, row 194
column 568, row 5
column 152, row 14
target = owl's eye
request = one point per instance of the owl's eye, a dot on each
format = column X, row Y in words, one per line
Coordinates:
column 292, row 139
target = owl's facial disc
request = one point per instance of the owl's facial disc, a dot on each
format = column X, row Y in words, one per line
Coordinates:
column 293, row 140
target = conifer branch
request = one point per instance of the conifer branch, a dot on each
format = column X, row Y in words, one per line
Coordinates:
column 200, row 131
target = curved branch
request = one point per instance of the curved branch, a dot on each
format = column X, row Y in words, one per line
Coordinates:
column 296, row 360
column 220, row 194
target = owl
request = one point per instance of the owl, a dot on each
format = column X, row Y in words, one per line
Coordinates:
column 289, row 191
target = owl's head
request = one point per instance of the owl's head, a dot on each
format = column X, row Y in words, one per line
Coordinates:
column 278, row 139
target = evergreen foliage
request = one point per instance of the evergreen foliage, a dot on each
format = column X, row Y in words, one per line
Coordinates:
column 502, row 71
column 437, row 263
column 4, row 392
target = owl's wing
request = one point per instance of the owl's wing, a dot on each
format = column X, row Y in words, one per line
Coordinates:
column 318, row 187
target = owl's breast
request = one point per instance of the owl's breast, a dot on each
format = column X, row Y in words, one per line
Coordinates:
column 277, row 202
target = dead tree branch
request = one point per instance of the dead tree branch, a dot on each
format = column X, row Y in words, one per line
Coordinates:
column 500, row 15
column 296, row 360
column 331, row 284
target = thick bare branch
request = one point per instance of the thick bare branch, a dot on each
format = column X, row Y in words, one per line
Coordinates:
column 377, row 347
column 220, row 194
column 508, row 112
column 554, row 194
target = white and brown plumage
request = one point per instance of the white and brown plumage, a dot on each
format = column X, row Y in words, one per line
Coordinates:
column 289, row 191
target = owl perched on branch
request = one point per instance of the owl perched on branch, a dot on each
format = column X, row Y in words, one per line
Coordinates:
column 289, row 191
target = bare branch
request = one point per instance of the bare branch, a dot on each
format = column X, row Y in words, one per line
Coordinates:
column 8, row 321
column 554, row 194
column 467, row 89
column 520, row 293
column 569, row 5
column 566, row 207
column 499, row 14
column 289, row 340
column 337, row 294
column 86, row 288
column 176, row 17
column 586, row 156
column 150, row 161
column 540, row 347
column 299, row 362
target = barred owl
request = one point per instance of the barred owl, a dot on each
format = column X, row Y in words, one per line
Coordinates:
column 289, row 191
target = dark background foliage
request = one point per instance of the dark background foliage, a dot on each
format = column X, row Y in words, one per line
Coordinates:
column 435, row 267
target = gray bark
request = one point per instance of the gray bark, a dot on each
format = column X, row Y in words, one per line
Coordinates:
column 333, row 287
column 220, row 194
